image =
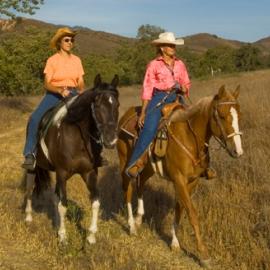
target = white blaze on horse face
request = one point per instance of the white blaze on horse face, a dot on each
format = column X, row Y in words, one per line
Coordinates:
column 237, row 137
column 111, row 100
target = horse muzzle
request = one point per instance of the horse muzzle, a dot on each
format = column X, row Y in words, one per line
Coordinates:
column 233, row 151
column 109, row 143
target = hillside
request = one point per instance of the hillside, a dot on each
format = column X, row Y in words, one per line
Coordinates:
column 200, row 43
column 90, row 41
column 264, row 45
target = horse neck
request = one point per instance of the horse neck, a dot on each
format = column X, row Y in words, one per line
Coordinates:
column 200, row 121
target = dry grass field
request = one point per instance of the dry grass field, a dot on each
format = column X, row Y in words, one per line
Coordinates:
column 234, row 209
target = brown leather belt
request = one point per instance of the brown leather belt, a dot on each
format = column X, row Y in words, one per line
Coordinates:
column 164, row 91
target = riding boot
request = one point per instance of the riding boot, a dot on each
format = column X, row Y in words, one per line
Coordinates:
column 29, row 162
column 139, row 165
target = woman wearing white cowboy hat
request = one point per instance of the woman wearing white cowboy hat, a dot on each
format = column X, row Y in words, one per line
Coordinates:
column 163, row 76
column 63, row 78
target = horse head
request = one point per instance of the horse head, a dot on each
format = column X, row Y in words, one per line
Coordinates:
column 105, row 110
column 224, row 122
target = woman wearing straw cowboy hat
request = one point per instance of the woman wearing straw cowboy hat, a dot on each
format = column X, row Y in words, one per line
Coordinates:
column 163, row 76
column 63, row 78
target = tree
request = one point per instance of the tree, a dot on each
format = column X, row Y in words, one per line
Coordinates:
column 220, row 58
column 9, row 7
column 22, row 60
column 247, row 58
column 149, row 32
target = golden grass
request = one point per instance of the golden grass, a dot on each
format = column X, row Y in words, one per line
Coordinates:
column 234, row 209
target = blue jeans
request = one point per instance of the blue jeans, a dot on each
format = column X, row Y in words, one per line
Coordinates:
column 49, row 101
column 151, row 122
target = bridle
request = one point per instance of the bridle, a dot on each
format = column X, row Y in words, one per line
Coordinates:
column 224, row 135
column 100, row 126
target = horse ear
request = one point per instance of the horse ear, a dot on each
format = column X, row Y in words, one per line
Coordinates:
column 221, row 91
column 97, row 80
column 236, row 92
column 115, row 81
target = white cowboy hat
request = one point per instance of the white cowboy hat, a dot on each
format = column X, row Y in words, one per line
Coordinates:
column 168, row 38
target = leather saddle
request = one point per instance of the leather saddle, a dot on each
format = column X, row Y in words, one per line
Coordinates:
column 160, row 142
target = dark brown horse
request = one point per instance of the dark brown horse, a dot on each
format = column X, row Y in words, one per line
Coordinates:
column 72, row 144
column 186, row 157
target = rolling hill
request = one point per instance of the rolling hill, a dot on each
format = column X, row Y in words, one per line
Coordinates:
column 90, row 41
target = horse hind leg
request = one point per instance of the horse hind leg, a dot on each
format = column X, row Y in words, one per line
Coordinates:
column 128, row 191
column 91, row 183
column 178, row 213
column 140, row 212
column 30, row 182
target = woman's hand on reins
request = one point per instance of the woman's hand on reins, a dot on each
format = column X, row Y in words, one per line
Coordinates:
column 64, row 92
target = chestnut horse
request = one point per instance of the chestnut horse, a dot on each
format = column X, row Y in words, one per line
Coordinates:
column 186, row 157
column 72, row 144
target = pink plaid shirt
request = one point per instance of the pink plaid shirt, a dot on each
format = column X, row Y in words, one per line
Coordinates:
column 159, row 76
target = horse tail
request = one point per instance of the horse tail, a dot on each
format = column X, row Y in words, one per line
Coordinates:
column 42, row 180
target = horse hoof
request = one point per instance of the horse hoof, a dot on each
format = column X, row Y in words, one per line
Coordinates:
column 206, row 263
column 138, row 221
column 28, row 219
column 91, row 239
column 62, row 238
column 175, row 247
column 133, row 231
column 63, row 242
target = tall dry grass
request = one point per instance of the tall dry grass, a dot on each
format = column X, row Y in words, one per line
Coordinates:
column 234, row 209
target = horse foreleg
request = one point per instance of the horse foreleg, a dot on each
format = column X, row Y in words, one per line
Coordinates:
column 30, row 181
column 183, row 198
column 62, row 206
column 91, row 182
column 179, row 209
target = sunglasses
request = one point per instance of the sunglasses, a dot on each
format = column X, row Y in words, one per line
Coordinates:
column 68, row 40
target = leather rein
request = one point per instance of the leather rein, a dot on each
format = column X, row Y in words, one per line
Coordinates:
column 223, row 142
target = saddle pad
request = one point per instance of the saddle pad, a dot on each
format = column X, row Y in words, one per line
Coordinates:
column 54, row 115
column 130, row 126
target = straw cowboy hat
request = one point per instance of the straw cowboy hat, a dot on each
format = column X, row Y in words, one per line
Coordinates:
column 61, row 32
column 167, row 38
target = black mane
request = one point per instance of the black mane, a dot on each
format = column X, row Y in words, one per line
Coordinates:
column 80, row 108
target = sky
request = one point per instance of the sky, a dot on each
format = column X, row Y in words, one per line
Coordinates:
column 243, row 20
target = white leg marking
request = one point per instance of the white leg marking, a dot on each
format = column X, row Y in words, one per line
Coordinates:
column 93, row 226
column 131, row 221
column 236, row 138
column 62, row 229
column 160, row 167
column 28, row 211
column 140, row 212
column 140, row 207
column 175, row 243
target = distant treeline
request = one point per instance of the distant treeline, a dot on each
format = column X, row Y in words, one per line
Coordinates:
column 23, row 56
